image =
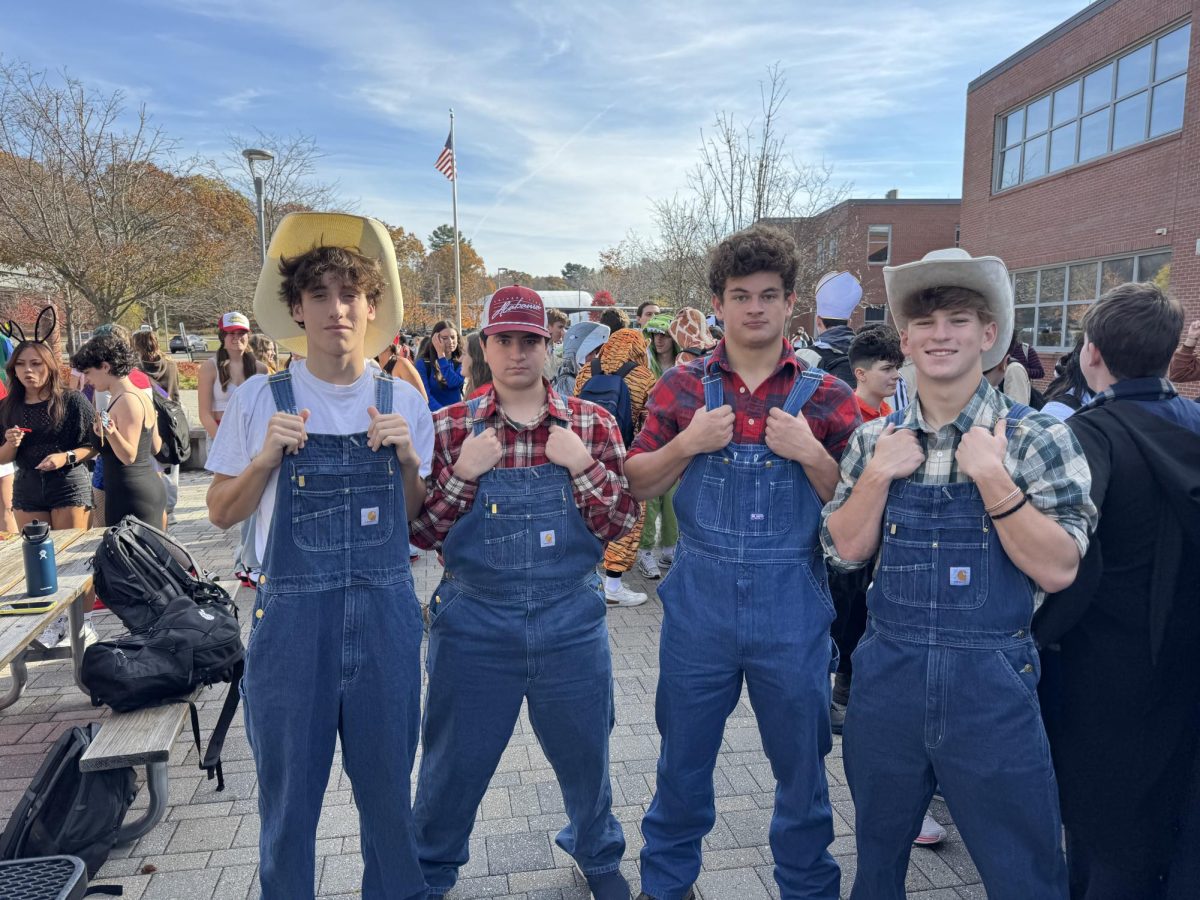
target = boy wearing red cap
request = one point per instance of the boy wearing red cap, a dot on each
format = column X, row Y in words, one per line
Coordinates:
column 526, row 487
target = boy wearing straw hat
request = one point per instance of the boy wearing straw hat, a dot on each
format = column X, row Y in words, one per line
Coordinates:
column 976, row 506
column 331, row 454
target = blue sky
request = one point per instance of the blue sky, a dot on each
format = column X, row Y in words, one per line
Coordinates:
column 571, row 115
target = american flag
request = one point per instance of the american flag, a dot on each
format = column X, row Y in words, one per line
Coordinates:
column 445, row 160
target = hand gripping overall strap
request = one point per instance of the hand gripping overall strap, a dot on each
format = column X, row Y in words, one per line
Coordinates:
column 1012, row 418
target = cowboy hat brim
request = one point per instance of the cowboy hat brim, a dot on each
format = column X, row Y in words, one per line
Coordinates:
column 303, row 231
column 986, row 275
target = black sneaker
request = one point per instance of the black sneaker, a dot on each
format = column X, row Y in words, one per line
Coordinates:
column 837, row 717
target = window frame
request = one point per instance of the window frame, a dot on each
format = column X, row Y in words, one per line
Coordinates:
column 890, row 237
column 1001, row 150
column 1063, row 307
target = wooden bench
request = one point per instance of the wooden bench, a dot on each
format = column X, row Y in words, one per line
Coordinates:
column 143, row 737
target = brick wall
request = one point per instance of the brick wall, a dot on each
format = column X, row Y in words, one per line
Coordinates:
column 1109, row 206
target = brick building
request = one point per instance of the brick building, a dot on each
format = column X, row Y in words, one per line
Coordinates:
column 1082, row 163
column 863, row 236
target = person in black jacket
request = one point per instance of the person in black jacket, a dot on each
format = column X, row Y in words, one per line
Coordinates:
column 1121, row 672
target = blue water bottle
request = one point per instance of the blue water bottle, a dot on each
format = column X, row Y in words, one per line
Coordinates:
column 41, row 574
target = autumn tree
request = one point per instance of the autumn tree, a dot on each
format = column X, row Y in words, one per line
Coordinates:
column 575, row 274
column 601, row 298
column 439, row 282
column 95, row 206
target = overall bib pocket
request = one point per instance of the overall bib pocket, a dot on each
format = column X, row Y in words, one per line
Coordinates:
column 947, row 564
column 356, row 507
column 525, row 532
column 754, row 500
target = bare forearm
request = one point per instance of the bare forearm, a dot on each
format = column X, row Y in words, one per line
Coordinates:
column 855, row 526
column 823, row 475
column 652, row 474
column 414, row 491
column 1036, row 544
column 233, row 499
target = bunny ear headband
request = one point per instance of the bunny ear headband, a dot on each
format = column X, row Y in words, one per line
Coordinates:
column 47, row 318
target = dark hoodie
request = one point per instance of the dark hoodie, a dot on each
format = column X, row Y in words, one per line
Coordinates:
column 1121, row 671
column 164, row 372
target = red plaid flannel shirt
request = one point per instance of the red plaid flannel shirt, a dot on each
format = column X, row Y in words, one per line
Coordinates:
column 832, row 412
column 601, row 492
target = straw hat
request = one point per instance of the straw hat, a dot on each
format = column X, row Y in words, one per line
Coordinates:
column 955, row 267
column 303, row 231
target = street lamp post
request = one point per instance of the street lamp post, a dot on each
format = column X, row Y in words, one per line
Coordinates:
column 252, row 156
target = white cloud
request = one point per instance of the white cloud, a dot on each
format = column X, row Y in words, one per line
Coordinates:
column 572, row 115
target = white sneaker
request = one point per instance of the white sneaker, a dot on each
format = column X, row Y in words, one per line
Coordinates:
column 931, row 833
column 624, row 597
column 647, row 564
column 54, row 633
column 89, row 634
column 666, row 556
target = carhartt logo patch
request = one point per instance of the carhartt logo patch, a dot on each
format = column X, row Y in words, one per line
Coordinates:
column 369, row 516
column 960, row 576
column 547, row 538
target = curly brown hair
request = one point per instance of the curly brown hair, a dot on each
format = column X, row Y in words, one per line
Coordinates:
column 759, row 248
column 304, row 273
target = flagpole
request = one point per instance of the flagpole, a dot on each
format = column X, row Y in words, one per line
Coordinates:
column 457, row 264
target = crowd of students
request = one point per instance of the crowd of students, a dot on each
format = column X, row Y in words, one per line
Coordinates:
column 974, row 543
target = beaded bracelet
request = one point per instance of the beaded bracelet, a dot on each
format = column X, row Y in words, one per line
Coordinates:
column 1006, row 513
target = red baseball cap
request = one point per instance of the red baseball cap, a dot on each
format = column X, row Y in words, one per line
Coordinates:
column 515, row 308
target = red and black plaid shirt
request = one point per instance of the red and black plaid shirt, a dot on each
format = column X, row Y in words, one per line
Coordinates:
column 601, row 492
column 832, row 412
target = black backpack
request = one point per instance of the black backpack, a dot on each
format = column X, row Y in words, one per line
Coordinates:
column 183, row 631
column 65, row 811
column 611, row 392
column 139, row 570
column 174, row 430
column 836, row 363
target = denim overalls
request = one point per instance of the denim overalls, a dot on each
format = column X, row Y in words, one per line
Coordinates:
column 945, row 693
column 747, row 597
column 519, row 616
column 335, row 650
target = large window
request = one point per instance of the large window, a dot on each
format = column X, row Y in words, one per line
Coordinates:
column 879, row 244
column 1129, row 100
column 1050, row 302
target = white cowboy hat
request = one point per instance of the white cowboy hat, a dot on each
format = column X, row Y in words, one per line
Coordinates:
column 955, row 267
column 303, row 231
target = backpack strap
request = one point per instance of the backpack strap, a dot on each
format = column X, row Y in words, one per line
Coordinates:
column 384, row 392
column 802, row 390
column 597, row 369
column 281, row 390
column 210, row 760
column 626, row 369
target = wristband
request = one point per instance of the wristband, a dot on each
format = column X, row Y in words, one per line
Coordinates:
column 1006, row 513
column 1004, row 501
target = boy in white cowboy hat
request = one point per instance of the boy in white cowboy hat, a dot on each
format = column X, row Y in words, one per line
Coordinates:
column 331, row 454
column 838, row 295
column 977, row 506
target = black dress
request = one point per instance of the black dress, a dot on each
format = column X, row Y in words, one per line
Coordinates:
column 134, row 489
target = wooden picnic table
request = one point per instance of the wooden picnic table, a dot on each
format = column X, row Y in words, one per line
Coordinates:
column 73, row 551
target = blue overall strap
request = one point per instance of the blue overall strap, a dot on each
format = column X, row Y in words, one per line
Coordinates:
column 1013, row 418
column 802, row 390
column 897, row 418
column 477, row 426
column 384, row 393
column 714, row 391
column 281, row 390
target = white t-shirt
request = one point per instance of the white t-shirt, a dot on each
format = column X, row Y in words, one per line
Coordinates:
column 333, row 409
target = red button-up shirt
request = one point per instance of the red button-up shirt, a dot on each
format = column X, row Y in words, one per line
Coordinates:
column 832, row 412
column 601, row 492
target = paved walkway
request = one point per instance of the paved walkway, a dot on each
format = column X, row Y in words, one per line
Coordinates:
column 206, row 846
